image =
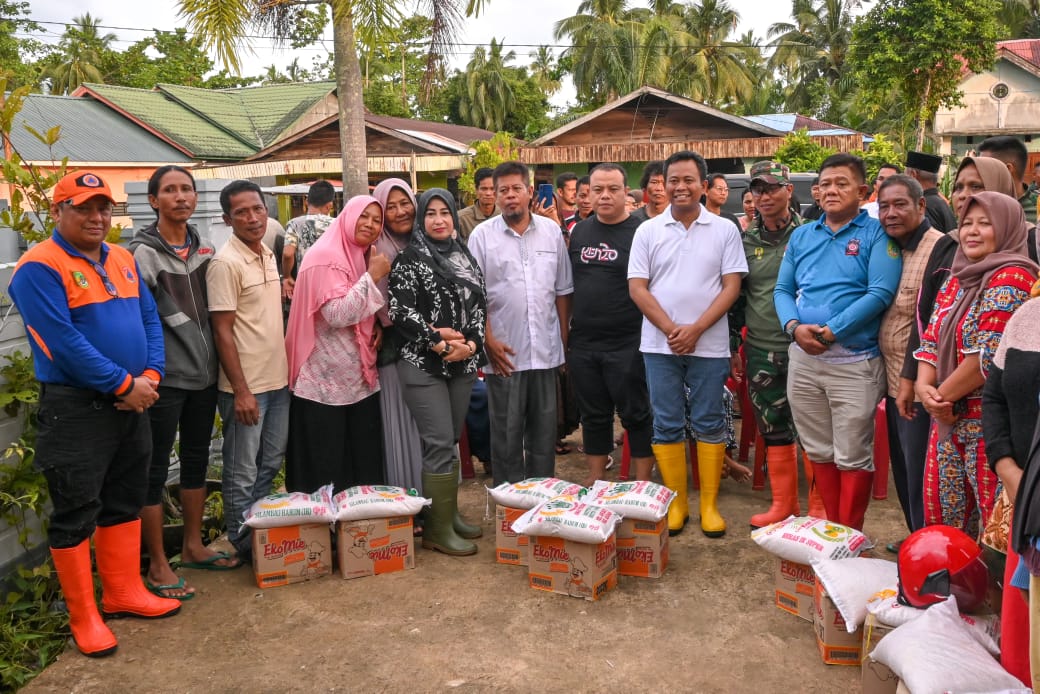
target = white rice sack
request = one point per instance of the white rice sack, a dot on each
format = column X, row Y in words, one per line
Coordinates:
column 376, row 501
column 936, row 653
column 885, row 606
column 804, row 538
column 293, row 508
column 646, row 501
column 570, row 518
column 851, row 583
column 532, row 492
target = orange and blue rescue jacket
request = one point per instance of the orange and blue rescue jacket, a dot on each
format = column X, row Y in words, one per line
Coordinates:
column 90, row 325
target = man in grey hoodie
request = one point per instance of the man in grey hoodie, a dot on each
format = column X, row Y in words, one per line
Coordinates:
column 173, row 259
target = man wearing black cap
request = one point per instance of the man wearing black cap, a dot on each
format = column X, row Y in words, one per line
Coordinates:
column 98, row 353
column 924, row 168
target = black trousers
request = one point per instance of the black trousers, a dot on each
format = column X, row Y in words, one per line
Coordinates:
column 609, row 381
column 191, row 411
column 95, row 459
column 342, row 444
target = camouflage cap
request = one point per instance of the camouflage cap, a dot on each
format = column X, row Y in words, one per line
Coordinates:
column 771, row 172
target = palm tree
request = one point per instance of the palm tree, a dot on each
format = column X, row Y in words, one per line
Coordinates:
column 597, row 34
column 79, row 55
column 810, row 52
column 616, row 49
column 544, row 70
column 220, row 23
column 488, row 96
column 768, row 96
column 1021, row 17
column 706, row 64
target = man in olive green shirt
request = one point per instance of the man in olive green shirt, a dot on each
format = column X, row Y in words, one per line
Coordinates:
column 765, row 346
column 483, row 209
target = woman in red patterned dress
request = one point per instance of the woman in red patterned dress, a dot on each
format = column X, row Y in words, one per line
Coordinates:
column 991, row 277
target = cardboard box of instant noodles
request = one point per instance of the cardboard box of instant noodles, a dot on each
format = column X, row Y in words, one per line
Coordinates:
column 375, row 546
column 578, row 569
column 292, row 554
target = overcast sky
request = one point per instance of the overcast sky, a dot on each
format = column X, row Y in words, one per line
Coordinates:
column 523, row 24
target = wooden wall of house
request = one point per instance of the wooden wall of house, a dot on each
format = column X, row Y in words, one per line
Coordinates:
column 741, row 148
column 324, row 143
column 664, row 123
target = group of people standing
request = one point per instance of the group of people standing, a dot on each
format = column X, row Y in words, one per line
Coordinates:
column 398, row 303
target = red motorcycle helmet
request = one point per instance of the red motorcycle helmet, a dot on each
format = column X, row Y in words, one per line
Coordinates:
column 939, row 561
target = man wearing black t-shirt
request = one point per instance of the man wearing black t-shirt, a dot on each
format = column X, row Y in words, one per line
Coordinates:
column 604, row 359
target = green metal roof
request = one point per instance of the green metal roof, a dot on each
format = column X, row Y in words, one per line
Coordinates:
column 220, row 124
column 90, row 132
column 257, row 115
column 201, row 137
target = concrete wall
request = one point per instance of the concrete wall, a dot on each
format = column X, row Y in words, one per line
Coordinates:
column 982, row 114
column 12, row 338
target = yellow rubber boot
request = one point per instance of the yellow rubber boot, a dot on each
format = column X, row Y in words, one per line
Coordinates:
column 709, row 464
column 671, row 462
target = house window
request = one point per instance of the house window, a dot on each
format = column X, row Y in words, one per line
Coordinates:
column 999, row 91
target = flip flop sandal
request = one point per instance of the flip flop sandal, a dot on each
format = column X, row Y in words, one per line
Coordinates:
column 179, row 585
column 211, row 564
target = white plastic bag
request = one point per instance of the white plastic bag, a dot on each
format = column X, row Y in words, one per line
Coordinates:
column 936, row 653
column 570, row 518
column 640, row 500
column 532, row 491
column 376, row 501
column 804, row 538
column 292, row 508
column 885, row 606
column 851, row 583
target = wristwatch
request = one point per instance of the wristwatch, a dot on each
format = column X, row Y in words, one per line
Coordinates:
column 791, row 326
column 447, row 349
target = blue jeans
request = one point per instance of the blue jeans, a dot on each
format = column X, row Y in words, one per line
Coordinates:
column 666, row 374
column 253, row 456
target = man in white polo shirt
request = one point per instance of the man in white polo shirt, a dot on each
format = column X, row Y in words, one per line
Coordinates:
column 528, row 278
column 684, row 273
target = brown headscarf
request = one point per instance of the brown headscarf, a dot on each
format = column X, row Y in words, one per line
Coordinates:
column 387, row 244
column 1009, row 227
column 993, row 172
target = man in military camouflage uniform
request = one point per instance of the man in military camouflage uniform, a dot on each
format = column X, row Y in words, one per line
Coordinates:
column 765, row 345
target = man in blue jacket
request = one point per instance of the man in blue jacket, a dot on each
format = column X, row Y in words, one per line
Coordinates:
column 838, row 276
column 98, row 352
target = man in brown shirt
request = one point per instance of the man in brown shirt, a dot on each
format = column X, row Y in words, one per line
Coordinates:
column 253, row 393
column 484, row 208
column 902, row 213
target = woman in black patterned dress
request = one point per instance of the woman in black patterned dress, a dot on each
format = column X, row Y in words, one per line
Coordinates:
column 436, row 282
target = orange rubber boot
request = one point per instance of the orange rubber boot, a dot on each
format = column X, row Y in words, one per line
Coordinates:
column 123, row 594
column 783, row 480
column 89, row 632
column 856, row 486
column 816, row 507
column 827, row 481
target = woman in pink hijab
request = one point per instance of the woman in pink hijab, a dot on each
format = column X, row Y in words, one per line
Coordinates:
column 334, row 421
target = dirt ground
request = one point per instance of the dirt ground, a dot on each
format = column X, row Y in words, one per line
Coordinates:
column 469, row 624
